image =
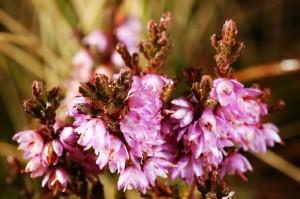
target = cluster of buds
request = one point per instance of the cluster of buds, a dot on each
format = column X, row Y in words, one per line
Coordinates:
column 127, row 123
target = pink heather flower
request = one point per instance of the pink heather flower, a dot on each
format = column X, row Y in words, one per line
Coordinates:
column 92, row 133
column 235, row 164
column 187, row 168
column 83, row 65
column 270, row 133
column 208, row 137
column 31, row 142
column 141, row 126
column 133, row 178
column 68, row 136
column 182, row 111
column 97, row 39
column 51, row 153
column 57, row 179
column 141, row 135
column 73, row 112
column 156, row 167
column 226, row 91
column 35, row 167
column 114, row 154
column 250, row 110
column 128, row 33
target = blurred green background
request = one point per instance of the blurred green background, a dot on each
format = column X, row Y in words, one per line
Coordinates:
column 37, row 42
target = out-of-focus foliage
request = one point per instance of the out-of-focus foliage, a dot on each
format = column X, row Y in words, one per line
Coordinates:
column 37, row 41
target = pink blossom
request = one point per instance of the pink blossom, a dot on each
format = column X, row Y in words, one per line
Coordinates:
column 226, row 91
column 235, row 164
column 270, row 133
column 35, row 167
column 57, row 179
column 68, row 136
column 133, row 178
column 83, row 65
column 182, row 111
column 128, row 33
column 114, row 154
column 31, row 142
column 155, row 167
column 97, row 39
column 187, row 168
column 92, row 133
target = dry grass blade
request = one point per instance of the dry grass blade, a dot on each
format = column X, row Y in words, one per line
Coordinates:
column 89, row 16
column 280, row 164
column 268, row 70
column 55, row 62
column 22, row 36
column 26, row 60
column 12, row 25
column 10, row 95
column 60, row 34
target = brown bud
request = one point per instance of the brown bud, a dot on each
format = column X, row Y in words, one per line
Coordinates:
column 38, row 89
column 165, row 20
column 201, row 90
column 228, row 49
column 167, row 92
column 123, row 51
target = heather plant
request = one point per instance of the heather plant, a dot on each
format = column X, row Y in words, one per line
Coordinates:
column 122, row 118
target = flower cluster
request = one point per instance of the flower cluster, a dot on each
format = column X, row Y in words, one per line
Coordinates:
column 229, row 122
column 127, row 123
column 134, row 146
column 47, row 148
column 43, row 150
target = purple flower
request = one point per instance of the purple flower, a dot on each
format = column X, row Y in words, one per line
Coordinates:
column 31, row 142
column 208, row 136
column 79, row 118
column 182, row 111
column 141, row 126
column 35, row 167
column 270, row 133
column 128, row 33
column 57, row 179
column 83, row 65
column 96, row 39
column 114, row 153
column 51, row 153
column 226, row 91
column 133, row 178
column 92, row 133
column 68, row 136
column 235, row 164
column 187, row 168
column 250, row 110
column 156, row 167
